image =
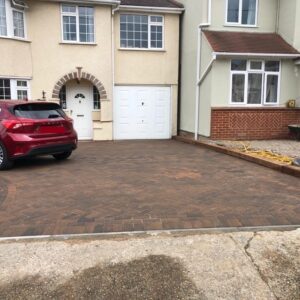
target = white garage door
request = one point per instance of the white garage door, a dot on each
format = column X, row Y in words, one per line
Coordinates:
column 142, row 112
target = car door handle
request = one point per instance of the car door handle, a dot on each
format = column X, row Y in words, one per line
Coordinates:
column 80, row 115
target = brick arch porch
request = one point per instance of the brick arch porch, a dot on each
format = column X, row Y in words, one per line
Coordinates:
column 78, row 76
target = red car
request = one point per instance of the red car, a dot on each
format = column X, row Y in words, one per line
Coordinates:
column 34, row 128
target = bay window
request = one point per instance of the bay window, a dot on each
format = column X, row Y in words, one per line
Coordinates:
column 78, row 23
column 12, row 19
column 141, row 31
column 16, row 89
column 242, row 12
column 255, row 82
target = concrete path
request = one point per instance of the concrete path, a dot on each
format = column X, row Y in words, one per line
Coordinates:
column 264, row 265
column 143, row 185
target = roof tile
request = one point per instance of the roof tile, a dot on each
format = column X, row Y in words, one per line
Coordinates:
column 246, row 42
column 153, row 3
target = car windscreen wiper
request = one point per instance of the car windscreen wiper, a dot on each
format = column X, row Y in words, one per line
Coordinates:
column 53, row 116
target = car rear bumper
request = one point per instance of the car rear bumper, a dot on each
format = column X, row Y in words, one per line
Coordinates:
column 19, row 147
column 48, row 150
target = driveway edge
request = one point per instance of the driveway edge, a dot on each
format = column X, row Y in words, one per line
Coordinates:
column 139, row 234
column 286, row 169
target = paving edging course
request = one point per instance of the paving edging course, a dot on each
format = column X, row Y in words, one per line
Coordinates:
column 286, row 169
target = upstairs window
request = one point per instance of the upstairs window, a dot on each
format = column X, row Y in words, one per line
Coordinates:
column 3, row 25
column 18, row 20
column 78, row 24
column 12, row 19
column 255, row 82
column 141, row 31
column 242, row 12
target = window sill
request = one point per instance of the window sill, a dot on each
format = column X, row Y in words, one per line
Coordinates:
column 78, row 43
column 15, row 39
column 142, row 49
column 241, row 105
column 241, row 26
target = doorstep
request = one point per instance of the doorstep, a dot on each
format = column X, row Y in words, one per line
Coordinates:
column 283, row 168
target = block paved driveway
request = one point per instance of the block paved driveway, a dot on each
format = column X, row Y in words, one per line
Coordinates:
column 143, row 185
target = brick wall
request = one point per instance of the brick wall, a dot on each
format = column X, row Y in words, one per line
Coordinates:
column 252, row 123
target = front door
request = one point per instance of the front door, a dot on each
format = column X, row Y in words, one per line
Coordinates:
column 80, row 107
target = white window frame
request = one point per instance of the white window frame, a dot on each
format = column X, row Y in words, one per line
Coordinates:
column 162, row 24
column 10, row 22
column 239, row 23
column 264, row 84
column 278, row 74
column 24, row 24
column 14, row 88
column 76, row 14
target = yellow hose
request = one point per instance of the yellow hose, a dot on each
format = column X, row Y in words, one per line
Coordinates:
column 246, row 148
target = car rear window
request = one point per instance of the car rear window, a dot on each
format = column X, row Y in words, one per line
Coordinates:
column 38, row 111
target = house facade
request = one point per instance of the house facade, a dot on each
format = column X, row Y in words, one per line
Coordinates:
column 240, row 68
column 113, row 65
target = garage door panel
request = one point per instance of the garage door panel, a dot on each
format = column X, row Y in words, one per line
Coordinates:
column 142, row 113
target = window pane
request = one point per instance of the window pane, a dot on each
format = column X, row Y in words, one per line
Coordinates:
column 255, row 65
column 3, row 28
column 69, row 9
column 156, row 36
column 22, row 83
column 18, row 20
column 69, row 28
column 156, row 19
column 233, row 11
column 5, row 89
column 86, row 24
column 63, row 97
column 272, row 89
column 96, row 98
column 272, row 66
column 249, row 12
column 238, row 88
column 238, row 65
column 134, row 31
column 22, row 95
column 254, row 88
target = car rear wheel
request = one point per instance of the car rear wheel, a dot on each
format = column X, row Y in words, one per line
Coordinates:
column 5, row 162
column 63, row 155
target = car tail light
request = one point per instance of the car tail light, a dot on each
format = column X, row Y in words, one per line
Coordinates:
column 16, row 126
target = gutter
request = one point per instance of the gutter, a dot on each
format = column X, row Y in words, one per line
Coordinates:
column 198, row 65
column 168, row 10
column 100, row 2
column 179, row 74
column 274, row 55
column 113, row 10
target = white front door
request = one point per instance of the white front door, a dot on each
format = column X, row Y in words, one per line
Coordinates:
column 80, row 107
column 142, row 112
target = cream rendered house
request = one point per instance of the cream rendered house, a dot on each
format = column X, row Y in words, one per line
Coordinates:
column 240, row 67
column 113, row 65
